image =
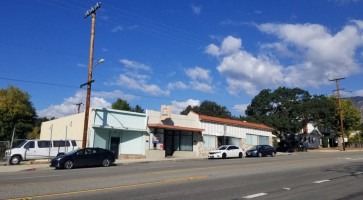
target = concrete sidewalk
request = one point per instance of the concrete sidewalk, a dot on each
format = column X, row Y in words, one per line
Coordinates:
column 44, row 164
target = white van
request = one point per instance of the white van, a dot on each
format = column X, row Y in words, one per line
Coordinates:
column 39, row 149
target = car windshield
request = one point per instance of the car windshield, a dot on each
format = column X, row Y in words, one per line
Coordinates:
column 222, row 148
column 18, row 145
column 253, row 148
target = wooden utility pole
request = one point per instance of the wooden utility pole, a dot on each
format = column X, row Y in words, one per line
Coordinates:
column 340, row 110
column 90, row 66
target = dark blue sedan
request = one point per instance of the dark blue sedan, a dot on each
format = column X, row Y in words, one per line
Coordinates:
column 84, row 158
column 261, row 150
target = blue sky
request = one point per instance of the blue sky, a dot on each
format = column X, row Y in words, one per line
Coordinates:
column 179, row 53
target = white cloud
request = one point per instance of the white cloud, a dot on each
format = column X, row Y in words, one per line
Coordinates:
column 132, row 79
column 316, row 56
column 178, row 106
column 198, row 73
column 200, row 79
column 117, row 29
column 134, row 65
column 243, row 71
column 69, row 107
column 196, row 9
column 81, row 65
column 358, row 93
column 177, row 85
column 212, row 49
column 241, row 108
column 139, row 84
column 203, row 87
column 322, row 55
column 104, row 50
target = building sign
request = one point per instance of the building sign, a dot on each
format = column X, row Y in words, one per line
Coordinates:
column 165, row 112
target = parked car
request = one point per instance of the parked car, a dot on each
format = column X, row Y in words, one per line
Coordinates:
column 39, row 149
column 226, row 151
column 84, row 158
column 261, row 150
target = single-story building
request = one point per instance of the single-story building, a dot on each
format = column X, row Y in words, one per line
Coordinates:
column 221, row 131
column 122, row 132
column 176, row 135
column 156, row 134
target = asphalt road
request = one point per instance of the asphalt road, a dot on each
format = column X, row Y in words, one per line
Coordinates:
column 318, row 175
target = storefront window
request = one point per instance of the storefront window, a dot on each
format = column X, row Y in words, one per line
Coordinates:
column 251, row 139
column 157, row 141
column 263, row 140
column 186, row 141
column 209, row 141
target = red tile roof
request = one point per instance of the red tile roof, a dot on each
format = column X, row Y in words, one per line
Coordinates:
column 235, row 122
column 170, row 127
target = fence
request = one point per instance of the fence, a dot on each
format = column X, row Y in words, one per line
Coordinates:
column 4, row 145
column 355, row 145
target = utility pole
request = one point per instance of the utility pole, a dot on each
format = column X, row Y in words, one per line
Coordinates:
column 340, row 110
column 86, row 114
column 79, row 106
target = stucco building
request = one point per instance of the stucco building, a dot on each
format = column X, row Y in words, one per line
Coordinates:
column 139, row 135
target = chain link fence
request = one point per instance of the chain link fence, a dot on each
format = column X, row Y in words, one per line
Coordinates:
column 4, row 145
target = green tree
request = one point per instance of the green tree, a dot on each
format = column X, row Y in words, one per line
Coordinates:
column 209, row 108
column 351, row 115
column 138, row 109
column 281, row 109
column 16, row 110
column 35, row 133
column 120, row 104
column 289, row 110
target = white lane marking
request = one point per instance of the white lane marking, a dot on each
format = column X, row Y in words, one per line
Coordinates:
column 254, row 195
column 321, row 181
column 286, row 188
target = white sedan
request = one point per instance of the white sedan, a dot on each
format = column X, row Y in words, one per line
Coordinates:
column 226, row 151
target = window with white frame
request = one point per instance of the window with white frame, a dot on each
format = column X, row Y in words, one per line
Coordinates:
column 209, row 141
column 263, row 140
column 251, row 139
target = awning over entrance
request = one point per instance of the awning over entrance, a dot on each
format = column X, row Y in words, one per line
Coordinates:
column 170, row 127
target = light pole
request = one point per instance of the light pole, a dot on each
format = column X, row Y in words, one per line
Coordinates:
column 86, row 112
column 90, row 68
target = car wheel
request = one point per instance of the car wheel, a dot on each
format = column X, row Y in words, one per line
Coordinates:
column 240, row 155
column 68, row 164
column 259, row 154
column 15, row 160
column 106, row 162
column 224, row 156
column 273, row 154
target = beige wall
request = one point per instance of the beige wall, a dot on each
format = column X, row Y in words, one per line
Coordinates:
column 175, row 120
column 70, row 127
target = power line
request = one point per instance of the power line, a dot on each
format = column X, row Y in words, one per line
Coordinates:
column 37, row 82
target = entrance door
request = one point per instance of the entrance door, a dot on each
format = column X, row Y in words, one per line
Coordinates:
column 115, row 143
column 168, row 146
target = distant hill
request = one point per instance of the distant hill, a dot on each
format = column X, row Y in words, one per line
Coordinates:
column 358, row 103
